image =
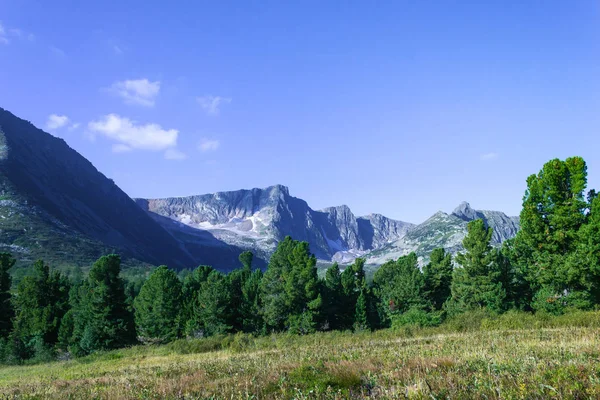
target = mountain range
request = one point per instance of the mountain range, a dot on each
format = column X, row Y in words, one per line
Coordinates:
column 258, row 219
column 54, row 204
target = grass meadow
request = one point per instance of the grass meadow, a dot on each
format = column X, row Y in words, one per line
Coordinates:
column 514, row 356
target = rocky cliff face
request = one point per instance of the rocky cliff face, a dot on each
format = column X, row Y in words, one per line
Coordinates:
column 257, row 219
column 54, row 202
column 447, row 231
column 340, row 230
column 377, row 230
column 505, row 227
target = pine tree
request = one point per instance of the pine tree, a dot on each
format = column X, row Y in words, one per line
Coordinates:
column 41, row 302
column 246, row 258
column 157, row 307
column 102, row 319
column 554, row 211
column 333, row 297
column 512, row 277
column 65, row 331
column 437, row 275
column 236, row 280
column 351, row 281
column 290, row 289
column 476, row 284
column 400, row 286
column 242, row 306
column 213, row 308
column 190, row 291
column 302, row 291
column 275, row 309
column 361, row 312
column 583, row 266
column 252, row 320
column 6, row 308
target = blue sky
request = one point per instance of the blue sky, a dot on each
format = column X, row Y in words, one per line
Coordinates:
column 401, row 108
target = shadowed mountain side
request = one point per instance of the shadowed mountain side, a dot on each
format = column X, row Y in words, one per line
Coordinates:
column 40, row 174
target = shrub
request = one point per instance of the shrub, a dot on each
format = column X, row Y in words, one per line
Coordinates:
column 512, row 319
column 240, row 342
column 42, row 352
column 417, row 318
column 547, row 301
column 195, row 346
column 302, row 324
column 468, row 321
column 577, row 318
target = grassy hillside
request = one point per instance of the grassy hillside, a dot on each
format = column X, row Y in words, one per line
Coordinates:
column 515, row 356
column 30, row 234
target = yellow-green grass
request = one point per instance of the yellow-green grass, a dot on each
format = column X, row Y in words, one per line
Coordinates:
column 543, row 362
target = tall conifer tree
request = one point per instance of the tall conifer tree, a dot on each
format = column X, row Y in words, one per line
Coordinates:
column 476, row 284
column 101, row 318
column 157, row 307
column 6, row 307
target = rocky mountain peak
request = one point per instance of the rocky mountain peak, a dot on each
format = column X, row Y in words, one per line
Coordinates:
column 439, row 214
column 372, row 216
column 446, row 231
column 279, row 189
column 465, row 212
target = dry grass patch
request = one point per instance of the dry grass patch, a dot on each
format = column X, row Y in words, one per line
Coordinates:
column 560, row 363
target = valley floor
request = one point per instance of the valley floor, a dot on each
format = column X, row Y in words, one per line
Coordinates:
column 562, row 363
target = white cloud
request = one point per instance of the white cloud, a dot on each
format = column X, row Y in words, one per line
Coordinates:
column 136, row 136
column 6, row 34
column 211, row 104
column 488, row 156
column 74, row 126
column 137, row 91
column 3, row 35
column 208, row 145
column 174, row 154
column 56, row 121
column 120, row 148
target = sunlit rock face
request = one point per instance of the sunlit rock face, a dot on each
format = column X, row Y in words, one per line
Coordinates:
column 257, row 219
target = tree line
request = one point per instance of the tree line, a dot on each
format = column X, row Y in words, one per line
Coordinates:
column 551, row 266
